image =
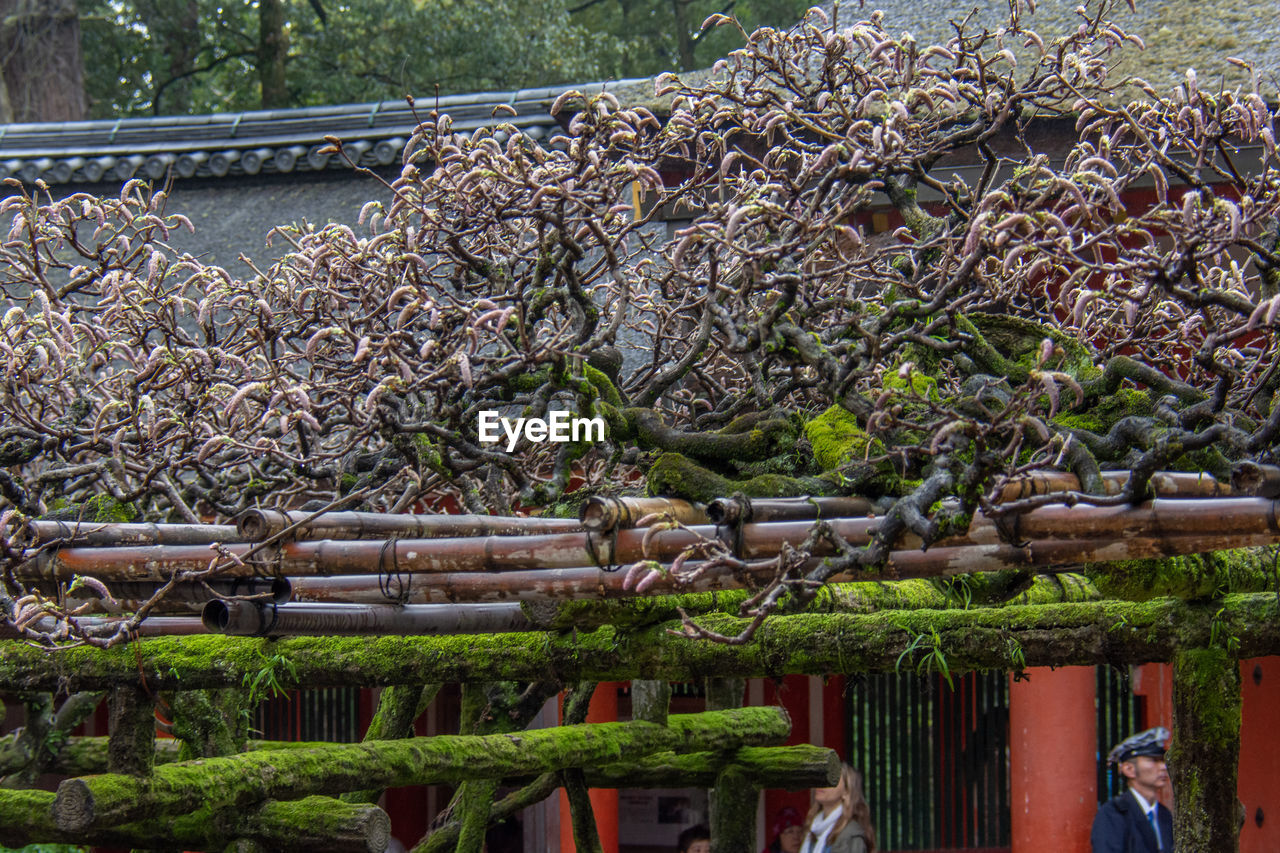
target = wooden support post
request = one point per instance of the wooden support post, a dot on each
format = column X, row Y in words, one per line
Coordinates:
column 474, row 799
column 586, row 839
column 131, row 715
column 399, row 707
column 734, row 798
column 1204, row 756
column 650, row 701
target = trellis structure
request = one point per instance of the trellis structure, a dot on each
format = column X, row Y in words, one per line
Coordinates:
column 1200, row 612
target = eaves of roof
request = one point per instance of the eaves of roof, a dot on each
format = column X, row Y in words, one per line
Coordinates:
column 250, row 143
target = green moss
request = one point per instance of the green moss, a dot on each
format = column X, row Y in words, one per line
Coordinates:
column 1009, row 346
column 1125, row 402
column 602, row 386
column 1207, row 674
column 837, row 438
column 99, row 509
column 675, row 475
column 919, row 383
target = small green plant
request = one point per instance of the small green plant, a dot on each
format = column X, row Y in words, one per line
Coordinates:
column 1220, row 636
column 931, row 657
column 267, row 683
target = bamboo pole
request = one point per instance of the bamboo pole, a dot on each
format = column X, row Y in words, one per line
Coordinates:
column 1221, row 522
column 1162, row 484
column 595, row 584
column 181, row 599
column 1004, row 638
column 102, row 626
column 254, row 525
column 87, row 533
column 98, row 801
column 602, row 512
column 744, row 510
column 1251, row 478
column 250, row 619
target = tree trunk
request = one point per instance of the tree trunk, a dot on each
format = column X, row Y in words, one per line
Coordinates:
column 99, row 801
column 175, row 23
column 1007, row 638
column 273, row 51
column 40, row 60
column 1205, row 753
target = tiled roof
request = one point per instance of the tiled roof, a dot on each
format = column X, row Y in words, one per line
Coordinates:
column 1178, row 34
column 251, row 143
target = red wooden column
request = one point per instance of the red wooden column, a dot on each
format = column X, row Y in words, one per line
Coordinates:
column 1153, row 683
column 1259, row 787
column 793, row 694
column 1053, row 744
column 604, row 802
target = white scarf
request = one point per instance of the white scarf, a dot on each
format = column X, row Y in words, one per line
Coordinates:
column 816, row 839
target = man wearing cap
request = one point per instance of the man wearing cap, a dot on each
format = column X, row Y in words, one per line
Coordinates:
column 1136, row 821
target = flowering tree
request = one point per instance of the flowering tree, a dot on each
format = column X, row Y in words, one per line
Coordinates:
column 1108, row 305
column 507, row 275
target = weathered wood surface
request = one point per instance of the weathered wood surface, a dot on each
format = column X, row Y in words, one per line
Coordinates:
column 1060, row 534
column 294, row 826
column 110, row 799
column 1006, row 638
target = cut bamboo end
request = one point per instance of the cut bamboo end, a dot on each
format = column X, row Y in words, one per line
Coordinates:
column 603, row 513
column 1252, row 478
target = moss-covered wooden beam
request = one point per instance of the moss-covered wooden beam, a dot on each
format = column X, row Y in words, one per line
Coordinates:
column 1193, row 576
column 962, row 591
column 110, row 799
column 581, row 814
column 310, row 823
column 79, row 756
column 1205, row 752
column 792, row 768
column 1006, row 638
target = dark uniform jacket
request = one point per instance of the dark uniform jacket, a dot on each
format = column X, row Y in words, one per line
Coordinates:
column 1122, row 827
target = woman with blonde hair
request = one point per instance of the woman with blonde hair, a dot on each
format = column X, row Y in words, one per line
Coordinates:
column 840, row 819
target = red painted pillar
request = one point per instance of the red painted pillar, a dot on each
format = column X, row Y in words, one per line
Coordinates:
column 1053, row 743
column 793, row 694
column 1258, row 786
column 1153, row 682
column 604, row 802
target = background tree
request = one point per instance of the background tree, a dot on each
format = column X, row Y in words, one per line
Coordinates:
column 202, row 56
column 40, row 64
column 662, row 35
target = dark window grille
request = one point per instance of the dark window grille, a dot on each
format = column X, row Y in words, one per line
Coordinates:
column 935, row 759
column 331, row 714
column 1119, row 715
